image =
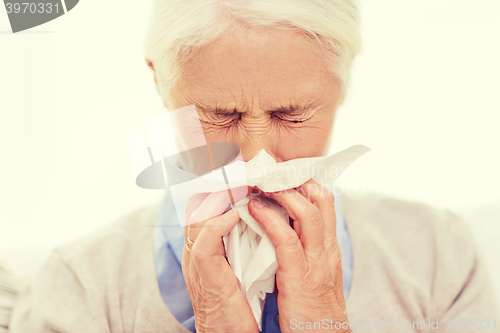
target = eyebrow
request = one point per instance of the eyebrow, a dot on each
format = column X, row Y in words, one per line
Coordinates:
column 290, row 109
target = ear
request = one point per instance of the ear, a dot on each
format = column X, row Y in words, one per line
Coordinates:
column 150, row 64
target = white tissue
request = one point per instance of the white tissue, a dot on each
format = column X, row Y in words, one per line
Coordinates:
column 264, row 172
column 249, row 250
column 252, row 256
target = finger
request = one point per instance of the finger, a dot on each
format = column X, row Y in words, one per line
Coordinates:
column 192, row 203
column 296, row 227
column 289, row 251
column 189, row 231
column 308, row 216
column 205, row 252
column 216, row 203
column 202, row 206
column 322, row 198
column 187, row 269
column 186, row 253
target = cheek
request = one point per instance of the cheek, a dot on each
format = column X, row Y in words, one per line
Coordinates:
column 309, row 139
column 306, row 141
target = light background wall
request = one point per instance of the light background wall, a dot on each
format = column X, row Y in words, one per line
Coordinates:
column 424, row 97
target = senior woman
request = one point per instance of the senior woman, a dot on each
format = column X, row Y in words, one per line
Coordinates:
column 264, row 74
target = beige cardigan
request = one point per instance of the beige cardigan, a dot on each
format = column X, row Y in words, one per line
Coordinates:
column 411, row 263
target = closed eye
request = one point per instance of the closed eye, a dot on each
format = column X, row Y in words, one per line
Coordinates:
column 219, row 119
column 294, row 119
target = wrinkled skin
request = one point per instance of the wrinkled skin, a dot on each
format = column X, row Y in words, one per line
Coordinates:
column 242, row 85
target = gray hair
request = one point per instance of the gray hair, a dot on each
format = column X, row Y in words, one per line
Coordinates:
column 179, row 27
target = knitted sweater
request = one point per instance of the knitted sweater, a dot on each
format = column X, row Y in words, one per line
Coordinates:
column 415, row 268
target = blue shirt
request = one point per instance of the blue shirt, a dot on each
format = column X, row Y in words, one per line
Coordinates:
column 169, row 247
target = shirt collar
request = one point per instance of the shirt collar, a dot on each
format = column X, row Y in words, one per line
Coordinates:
column 172, row 233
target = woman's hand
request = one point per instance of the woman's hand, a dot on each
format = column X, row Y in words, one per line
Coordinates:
column 309, row 276
column 219, row 305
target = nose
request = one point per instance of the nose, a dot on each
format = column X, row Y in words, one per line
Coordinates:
column 257, row 132
column 252, row 143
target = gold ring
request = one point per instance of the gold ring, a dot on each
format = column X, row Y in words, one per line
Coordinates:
column 189, row 242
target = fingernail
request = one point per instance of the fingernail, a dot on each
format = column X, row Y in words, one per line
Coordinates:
column 230, row 214
column 194, row 218
column 256, row 203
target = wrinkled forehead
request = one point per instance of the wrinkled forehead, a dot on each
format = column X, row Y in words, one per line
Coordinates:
column 259, row 67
